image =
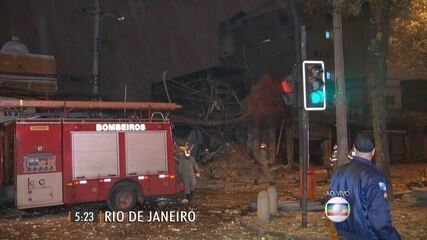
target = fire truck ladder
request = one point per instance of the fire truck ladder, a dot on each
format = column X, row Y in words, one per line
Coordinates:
column 98, row 105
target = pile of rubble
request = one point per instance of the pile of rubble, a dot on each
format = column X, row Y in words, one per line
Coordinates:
column 234, row 165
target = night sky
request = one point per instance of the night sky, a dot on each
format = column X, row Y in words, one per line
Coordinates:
column 177, row 36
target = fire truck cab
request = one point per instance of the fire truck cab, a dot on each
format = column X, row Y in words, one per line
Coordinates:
column 67, row 161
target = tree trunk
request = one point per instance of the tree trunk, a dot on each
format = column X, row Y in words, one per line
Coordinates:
column 271, row 144
column 377, row 78
column 382, row 157
column 255, row 138
column 290, row 145
column 341, row 102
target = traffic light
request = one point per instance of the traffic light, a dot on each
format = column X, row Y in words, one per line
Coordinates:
column 288, row 95
column 314, row 85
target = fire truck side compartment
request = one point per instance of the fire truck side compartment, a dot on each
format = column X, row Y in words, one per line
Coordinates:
column 95, row 154
column 146, row 153
column 38, row 164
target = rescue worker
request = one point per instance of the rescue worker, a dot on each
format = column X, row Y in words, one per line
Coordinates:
column 261, row 165
column 369, row 216
column 186, row 167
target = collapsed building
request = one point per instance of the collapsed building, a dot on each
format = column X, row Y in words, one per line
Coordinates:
column 257, row 52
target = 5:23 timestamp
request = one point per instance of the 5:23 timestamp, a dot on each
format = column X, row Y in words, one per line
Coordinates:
column 83, row 216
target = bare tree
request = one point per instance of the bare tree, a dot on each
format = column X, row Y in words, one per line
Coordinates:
column 379, row 17
column 377, row 78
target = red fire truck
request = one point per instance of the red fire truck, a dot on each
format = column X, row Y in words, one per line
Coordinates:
column 68, row 161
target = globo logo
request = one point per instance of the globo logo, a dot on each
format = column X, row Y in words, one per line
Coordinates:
column 337, row 209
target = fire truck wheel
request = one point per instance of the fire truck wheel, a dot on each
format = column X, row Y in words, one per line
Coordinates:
column 123, row 198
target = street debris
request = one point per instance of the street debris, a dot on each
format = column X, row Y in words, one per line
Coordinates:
column 223, row 211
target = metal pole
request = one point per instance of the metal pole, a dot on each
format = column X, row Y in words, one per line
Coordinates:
column 95, row 62
column 305, row 128
column 300, row 55
column 341, row 106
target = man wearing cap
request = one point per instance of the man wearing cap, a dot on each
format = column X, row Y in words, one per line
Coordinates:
column 369, row 216
column 186, row 169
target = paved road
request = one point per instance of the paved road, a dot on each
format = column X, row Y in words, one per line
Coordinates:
column 216, row 210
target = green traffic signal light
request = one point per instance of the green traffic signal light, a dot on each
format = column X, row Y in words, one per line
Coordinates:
column 317, row 97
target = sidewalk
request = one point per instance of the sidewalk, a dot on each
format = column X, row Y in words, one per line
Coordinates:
column 409, row 218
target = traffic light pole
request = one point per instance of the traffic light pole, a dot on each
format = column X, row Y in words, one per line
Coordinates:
column 301, row 55
column 95, row 55
column 97, row 18
column 304, row 128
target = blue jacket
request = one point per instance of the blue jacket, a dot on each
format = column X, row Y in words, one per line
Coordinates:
column 369, row 207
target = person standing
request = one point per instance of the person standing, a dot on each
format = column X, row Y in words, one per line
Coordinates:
column 188, row 170
column 369, row 216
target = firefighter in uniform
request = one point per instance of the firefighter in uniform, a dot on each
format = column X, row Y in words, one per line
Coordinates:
column 188, row 170
column 370, row 211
